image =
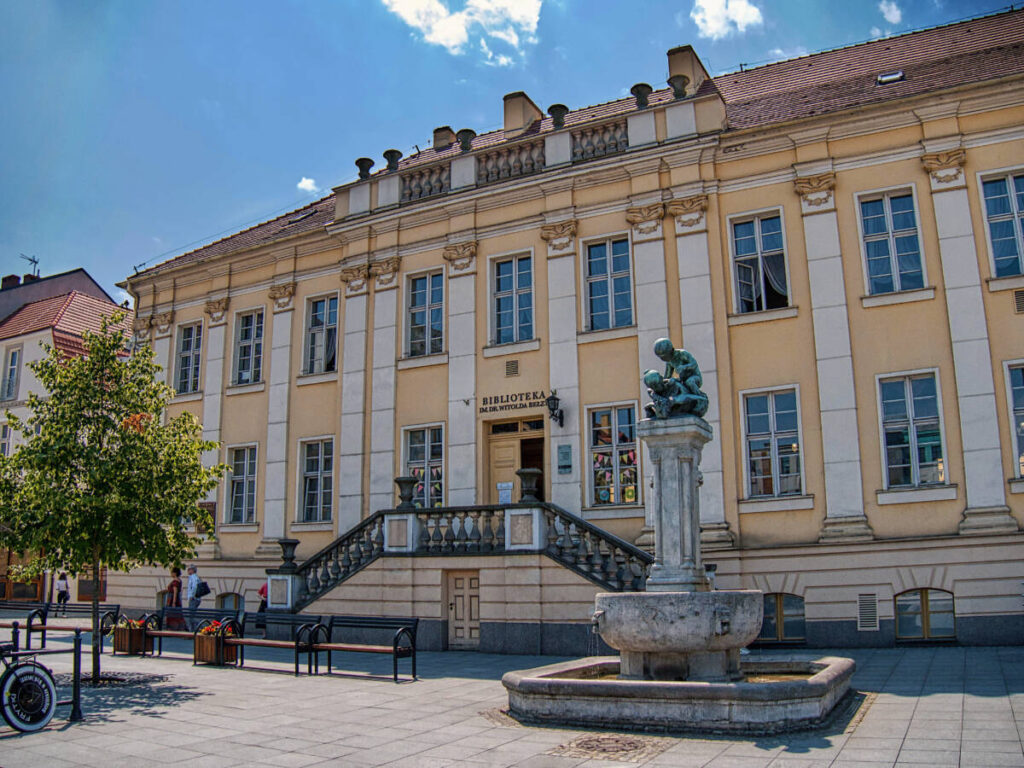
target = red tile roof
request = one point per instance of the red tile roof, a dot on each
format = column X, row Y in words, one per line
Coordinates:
column 68, row 315
column 966, row 52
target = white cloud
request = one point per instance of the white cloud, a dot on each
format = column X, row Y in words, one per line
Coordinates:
column 787, row 53
column 308, row 185
column 512, row 22
column 123, row 296
column 875, row 32
column 890, row 11
column 718, row 18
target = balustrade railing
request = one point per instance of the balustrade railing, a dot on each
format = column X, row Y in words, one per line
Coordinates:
column 599, row 141
column 426, row 182
column 510, row 162
column 597, row 555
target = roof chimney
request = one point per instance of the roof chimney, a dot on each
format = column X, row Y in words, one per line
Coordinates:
column 520, row 114
column 9, row 281
column 30, row 278
column 683, row 61
column 444, row 137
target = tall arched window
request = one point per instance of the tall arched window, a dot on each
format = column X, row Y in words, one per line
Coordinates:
column 925, row 614
column 783, row 618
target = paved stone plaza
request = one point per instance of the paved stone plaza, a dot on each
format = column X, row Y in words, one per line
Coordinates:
column 927, row 706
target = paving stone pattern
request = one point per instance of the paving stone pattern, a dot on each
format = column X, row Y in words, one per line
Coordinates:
column 924, row 706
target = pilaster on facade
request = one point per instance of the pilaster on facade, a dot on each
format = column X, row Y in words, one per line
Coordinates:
column 213, row 380
column 986, row 510
column 693, row 257
column 279, row 378
column 353, row 398
column 461, row 433
column 560, row 236
column 382, row 405
column 837, row 402
column 161, row 325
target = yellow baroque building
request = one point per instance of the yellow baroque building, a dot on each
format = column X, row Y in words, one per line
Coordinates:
column 836, row 238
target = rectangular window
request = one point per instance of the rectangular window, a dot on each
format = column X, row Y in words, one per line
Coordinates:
column 317, row 480
column 760, row 260
column 249, row 348
column 773, row 444
column 243, row 485
column 912, row 431
column 513, row 300
column 12, row 365
column 424, row 454
column 891, row 246
column 322, row 336
column 1017, row 403
column 190, row 347
column 609, row 285
column 613, row 456
column 5, row 440
column 1004, row 208
column 426, row 315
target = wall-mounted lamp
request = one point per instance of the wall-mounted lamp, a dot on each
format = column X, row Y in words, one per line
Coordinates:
column 551, row 401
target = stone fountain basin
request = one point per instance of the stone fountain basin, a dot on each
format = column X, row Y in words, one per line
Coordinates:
column 580, row 693
column 679, row 622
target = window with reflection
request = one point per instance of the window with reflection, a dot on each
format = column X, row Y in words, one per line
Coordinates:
column 760, row 264
column 891, row 245
column 783, row 618
column 925, row 614
column 913, row 432
column 1004, row 209
column 773, row 444
column 609, row 285
column 613, row 454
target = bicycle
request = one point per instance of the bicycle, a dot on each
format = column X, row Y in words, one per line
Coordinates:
column 28, row 695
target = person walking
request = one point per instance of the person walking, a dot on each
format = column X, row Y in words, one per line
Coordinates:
column 173, row 600
column 192, row 594
column 63, row 592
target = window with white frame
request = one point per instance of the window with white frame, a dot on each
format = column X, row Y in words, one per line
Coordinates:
column 242, row 507
column 614, row 465
column 317, row 480
column 892, row 249
column 426, row 314
column 912, row 431
column 424, row 458
column 190, row 347
column 609, row 285
column 12, row 366
column 1017, row 405
column 773, row 444
column 249, row 347
column 513, row 300
column 5, row 440
column 759, row 264
column 321, row 335
column 1004, row 208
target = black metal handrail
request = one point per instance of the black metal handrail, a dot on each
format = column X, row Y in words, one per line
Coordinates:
column 595, row 554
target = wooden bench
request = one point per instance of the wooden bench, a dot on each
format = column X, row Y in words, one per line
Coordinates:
column 159, row 624
column 21, row 609
column 108, row 618
column 402, row 643
column 299, row 627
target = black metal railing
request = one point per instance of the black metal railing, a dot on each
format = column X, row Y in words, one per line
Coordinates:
column 599, row 556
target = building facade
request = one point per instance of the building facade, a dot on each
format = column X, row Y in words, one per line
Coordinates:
column 836, row 238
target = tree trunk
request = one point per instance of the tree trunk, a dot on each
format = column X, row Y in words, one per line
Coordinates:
column 96, row 637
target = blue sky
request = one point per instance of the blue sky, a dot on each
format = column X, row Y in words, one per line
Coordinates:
column 132, row 131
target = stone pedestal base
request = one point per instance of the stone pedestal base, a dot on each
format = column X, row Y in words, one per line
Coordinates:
column 269, row 548
column 979, row 521
column 705, row 667
column 646, row 539
column 839, row 530
column 716, row 536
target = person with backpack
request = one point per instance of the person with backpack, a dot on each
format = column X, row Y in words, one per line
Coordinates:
column 196, row 590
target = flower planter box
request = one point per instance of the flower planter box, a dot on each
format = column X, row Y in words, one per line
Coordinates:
column 206, row 650
column 132, row 641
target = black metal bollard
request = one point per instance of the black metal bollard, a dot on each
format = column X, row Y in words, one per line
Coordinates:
column 76, row 681
column 15, row 635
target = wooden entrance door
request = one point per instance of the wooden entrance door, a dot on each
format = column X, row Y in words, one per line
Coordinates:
column 512, row 445
column 463, row 610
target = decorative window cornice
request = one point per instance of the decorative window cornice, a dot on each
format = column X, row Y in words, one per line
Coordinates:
column 815, row 190
column 355, row 278
column 945, row 167
column 163, row 321
column 460, row 255
column 282, row 294
column 688, row 211
column 646, row 219
column 216, row 308
column 559, row 236
column 385, row 270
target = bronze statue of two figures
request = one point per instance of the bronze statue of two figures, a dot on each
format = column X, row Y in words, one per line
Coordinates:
column 678, row 392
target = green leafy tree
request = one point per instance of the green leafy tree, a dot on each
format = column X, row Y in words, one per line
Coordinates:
column 103, row 478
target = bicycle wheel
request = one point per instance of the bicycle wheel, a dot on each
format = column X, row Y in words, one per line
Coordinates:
column 28, row 697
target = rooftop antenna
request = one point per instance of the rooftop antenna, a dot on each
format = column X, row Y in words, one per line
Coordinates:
column 34, row 262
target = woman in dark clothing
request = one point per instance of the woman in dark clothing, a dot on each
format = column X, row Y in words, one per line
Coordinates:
column 173, row 599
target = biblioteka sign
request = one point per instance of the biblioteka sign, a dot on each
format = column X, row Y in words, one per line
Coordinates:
column 512, row 402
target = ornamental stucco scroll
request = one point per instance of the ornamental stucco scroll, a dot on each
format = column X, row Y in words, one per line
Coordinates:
column 460, row 255
column 560, row 237
column 281, row 294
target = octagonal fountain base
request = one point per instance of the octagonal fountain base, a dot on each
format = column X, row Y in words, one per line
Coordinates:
column 588, row 693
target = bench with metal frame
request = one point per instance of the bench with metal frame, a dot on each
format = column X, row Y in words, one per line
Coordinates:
column 300, row 626
column 155, row 624
column 322, row 640
column 108, row 618
column 22, row 608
